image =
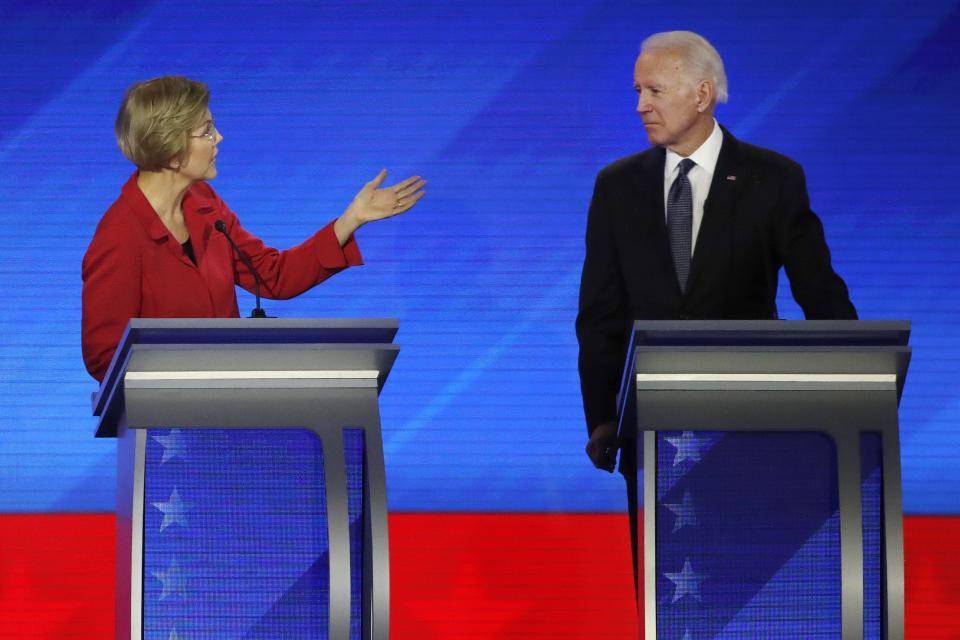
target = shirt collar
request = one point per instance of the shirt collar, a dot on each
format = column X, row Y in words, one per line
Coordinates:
column 705, row 156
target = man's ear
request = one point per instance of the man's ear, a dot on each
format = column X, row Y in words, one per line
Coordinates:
column 704, row 95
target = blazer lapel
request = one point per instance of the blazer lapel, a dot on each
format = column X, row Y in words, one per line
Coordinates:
column 718, row 211
column 196, row 208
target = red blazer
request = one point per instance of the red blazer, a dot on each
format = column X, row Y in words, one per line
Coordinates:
column 134, row 268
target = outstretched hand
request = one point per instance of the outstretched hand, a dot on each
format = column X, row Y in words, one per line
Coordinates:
column 374, row 202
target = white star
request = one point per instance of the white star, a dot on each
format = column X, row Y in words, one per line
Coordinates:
column 174, row 510
column 172, row 581
column 172, row 444
column 684, row 511
column 687, row 582
column 687, row 446
column 173, row 635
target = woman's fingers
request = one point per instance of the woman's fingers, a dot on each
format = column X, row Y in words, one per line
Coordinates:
column 409, row 187
column 405, row 184
column 406, row 193
column 406, row 203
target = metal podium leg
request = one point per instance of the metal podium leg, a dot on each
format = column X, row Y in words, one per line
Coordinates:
column 851, row 534
column 375, row 623
column 376, row 555
column 893, row 579
column 131, row 465
column 650, row 535
column 338, row 528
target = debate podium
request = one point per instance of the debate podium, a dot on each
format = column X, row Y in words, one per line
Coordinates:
column 771, row 493
column 251, row 496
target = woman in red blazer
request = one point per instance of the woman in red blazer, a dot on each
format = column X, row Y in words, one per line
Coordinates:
column 157, row 253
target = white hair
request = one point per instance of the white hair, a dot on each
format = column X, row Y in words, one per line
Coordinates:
column 702, row 60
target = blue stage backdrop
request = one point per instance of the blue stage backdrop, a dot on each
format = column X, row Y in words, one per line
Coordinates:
column 509, row 109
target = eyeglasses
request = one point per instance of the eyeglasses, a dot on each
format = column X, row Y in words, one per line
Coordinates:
column 210, row 134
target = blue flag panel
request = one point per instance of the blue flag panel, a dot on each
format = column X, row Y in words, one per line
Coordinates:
column 748, row 540
column 235, row 541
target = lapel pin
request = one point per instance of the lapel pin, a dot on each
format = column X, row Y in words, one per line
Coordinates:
column 731, row 177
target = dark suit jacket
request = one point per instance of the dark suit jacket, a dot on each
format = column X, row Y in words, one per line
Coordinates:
column 756, row 219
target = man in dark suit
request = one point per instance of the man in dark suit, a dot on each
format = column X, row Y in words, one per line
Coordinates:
column 697, row 227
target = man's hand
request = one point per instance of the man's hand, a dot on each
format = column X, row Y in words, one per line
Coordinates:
column 602, row 446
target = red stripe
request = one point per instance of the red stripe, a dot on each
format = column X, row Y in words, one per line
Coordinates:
column 454, row 576
column 56, row 576
column 511, row 576
column 932, row 559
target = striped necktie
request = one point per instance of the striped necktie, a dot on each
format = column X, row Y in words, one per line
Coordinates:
column 680, row 221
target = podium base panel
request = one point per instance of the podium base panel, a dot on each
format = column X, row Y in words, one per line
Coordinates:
column 747, row 535
column 236, row 534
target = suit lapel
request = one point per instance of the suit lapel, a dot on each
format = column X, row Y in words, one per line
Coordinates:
column 649, row 219
column 718, row 211
column 652, row 177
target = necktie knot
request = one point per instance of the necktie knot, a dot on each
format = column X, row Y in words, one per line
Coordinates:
column 685, row 165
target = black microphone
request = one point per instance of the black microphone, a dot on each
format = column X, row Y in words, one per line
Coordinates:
column 258, row 311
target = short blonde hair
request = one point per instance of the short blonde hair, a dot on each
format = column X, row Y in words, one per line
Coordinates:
column 155, row 119
column 702, row 60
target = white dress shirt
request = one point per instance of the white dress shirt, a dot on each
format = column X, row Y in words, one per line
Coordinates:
column 700, row 177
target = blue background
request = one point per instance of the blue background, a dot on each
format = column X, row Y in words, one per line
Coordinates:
column 509, row 109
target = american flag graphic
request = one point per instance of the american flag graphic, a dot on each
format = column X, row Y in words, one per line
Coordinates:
column 748, row 536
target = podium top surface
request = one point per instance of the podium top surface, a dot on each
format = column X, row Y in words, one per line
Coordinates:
column 263, row 331
column 739, row 333
column 260, row 330
column 240, row 333
column 687, row 347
